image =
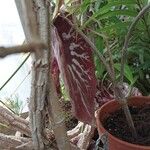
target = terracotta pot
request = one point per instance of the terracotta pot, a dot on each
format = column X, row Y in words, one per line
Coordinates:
column 109, row 107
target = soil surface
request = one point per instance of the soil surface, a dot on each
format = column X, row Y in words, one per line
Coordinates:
column 116, row 124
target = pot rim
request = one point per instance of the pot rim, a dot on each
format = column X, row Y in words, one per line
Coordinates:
column 99, row 124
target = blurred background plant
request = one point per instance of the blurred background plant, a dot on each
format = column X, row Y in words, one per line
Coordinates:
column 15, row 104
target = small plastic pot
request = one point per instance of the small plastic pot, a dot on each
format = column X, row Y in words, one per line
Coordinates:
column 110, row 107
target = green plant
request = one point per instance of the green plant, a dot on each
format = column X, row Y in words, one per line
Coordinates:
column 15, row 104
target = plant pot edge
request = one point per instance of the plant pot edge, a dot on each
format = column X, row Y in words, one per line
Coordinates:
column 101, row 129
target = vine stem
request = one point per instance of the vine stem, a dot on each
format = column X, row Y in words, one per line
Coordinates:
column 15, row 72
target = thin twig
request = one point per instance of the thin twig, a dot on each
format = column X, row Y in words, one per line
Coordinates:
column 130, row 120
column 15, row 72
column 31, row 47
column 127, row 39
column 111, row 59
column 25, row 146
column 13, row 93
column 7, row 107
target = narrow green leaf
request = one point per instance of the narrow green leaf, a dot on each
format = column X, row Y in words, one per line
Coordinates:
column 118, row 13
column 127, row 70
column 115, row 3
column 118, row 28
column 99, row 67
column 110, row 13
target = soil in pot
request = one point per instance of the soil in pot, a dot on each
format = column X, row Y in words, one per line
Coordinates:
column 116, row 125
